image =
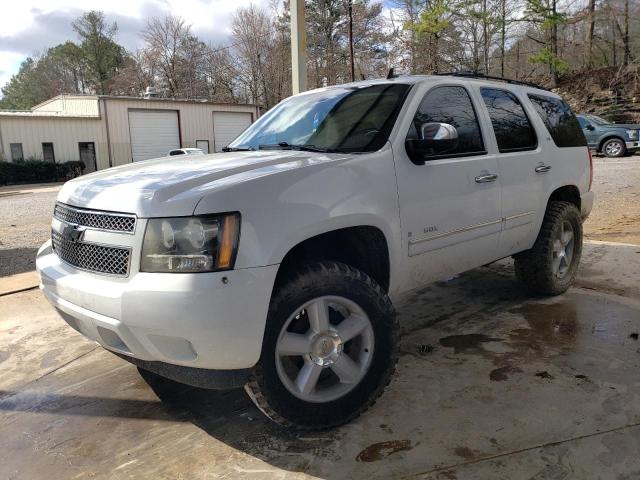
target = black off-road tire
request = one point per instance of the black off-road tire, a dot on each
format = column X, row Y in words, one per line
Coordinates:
column 303, row 285
column 534, row 267
column 619, row 153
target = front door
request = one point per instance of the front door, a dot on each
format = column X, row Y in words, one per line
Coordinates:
column 590, row 132
column 450, row 205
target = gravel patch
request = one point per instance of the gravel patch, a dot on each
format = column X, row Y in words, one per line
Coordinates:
column 25, row 224
column 616, row 213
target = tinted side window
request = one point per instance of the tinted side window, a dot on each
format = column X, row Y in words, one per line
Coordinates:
column 451, row 105
column 510, row 122
column 560, row 121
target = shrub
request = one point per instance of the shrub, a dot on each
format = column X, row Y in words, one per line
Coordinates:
column 38, row 171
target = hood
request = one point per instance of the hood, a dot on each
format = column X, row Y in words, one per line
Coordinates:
column 628, row 126
column 173, row 186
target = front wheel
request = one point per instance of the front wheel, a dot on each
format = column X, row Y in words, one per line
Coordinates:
column 329, row 350
column 614, row 148
column 550, row 267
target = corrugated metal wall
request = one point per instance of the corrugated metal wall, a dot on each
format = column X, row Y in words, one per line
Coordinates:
column 70, row 105
column 64, row 133
column 196, row 122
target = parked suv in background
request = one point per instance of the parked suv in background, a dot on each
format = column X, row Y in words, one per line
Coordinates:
column 272, row 266
column 611, row 139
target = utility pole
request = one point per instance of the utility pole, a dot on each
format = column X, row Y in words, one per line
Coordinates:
column 298, row 47
column 353, row 68
column 503, row 31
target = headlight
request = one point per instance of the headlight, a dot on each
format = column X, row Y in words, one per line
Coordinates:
column 632, row 133
column 206, row 243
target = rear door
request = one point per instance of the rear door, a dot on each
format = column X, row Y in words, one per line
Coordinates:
column 520, row 163
column 450, row 205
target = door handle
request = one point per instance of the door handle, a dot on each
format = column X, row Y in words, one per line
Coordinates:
column 543, row 168
column 486, row 178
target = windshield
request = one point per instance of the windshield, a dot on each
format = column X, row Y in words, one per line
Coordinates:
column 337, row 119
column 598, row 120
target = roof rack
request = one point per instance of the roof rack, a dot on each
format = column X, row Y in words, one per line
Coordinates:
column 482, row 76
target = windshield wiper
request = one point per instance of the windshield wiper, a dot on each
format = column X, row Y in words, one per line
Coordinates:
column 237, row 149
column 287, row 146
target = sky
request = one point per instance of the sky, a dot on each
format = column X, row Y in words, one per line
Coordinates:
column 28, row 27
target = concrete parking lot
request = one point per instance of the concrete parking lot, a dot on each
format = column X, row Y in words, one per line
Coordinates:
column 491, row 384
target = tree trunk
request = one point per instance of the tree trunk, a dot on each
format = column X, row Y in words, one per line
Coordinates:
column 627, row 52
column 485, row 36
column 590, row 28
column 614, row 52
column 554, row 45
column 353, row 69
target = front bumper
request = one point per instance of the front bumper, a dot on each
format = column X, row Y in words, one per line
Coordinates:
column 633, row 146
column 193, row 320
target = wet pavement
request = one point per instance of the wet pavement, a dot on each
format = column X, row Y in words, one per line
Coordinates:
column 490, row 384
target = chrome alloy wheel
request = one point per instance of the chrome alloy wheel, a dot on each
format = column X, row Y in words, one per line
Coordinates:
column 563, row 247
column 613, row 148
column 324, row 349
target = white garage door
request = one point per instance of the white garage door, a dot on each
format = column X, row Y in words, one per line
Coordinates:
column 227, row 126
column 153, row 133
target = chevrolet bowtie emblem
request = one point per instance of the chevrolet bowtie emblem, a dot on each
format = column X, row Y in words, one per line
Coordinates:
column 73, row 233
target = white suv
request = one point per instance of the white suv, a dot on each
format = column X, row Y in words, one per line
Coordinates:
column 271, row 266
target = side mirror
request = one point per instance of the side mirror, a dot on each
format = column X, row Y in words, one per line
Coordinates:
column 590, row 127
column 435, row 139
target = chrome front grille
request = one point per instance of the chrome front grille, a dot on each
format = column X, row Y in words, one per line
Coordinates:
column 113, row 222
column 92, row 257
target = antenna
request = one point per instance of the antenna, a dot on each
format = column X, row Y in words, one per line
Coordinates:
column 391, row 74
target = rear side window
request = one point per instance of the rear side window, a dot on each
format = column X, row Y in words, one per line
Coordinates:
column 560, row 121
column 510, row 123
column 451, row 105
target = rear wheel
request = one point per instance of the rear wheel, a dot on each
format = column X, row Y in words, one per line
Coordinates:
column 614, row 148
column 550, row 267
column 329, row 350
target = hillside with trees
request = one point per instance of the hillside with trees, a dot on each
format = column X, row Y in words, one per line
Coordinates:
column 587, row 48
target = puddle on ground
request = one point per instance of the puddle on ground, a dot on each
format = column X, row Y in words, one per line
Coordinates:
column 551, row 329
column 378, row 451
column 550, row 325
column 470, row 343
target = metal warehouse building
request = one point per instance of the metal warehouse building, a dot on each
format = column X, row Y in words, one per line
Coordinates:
column 105, row 131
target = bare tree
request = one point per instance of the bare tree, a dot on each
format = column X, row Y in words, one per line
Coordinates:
column 166, row 41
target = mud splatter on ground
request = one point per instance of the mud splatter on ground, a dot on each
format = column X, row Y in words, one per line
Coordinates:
column 466, row 453
column 425, row 349
column 49, row 359
column 502, row 373
column 378, row 451
column 544, row 374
